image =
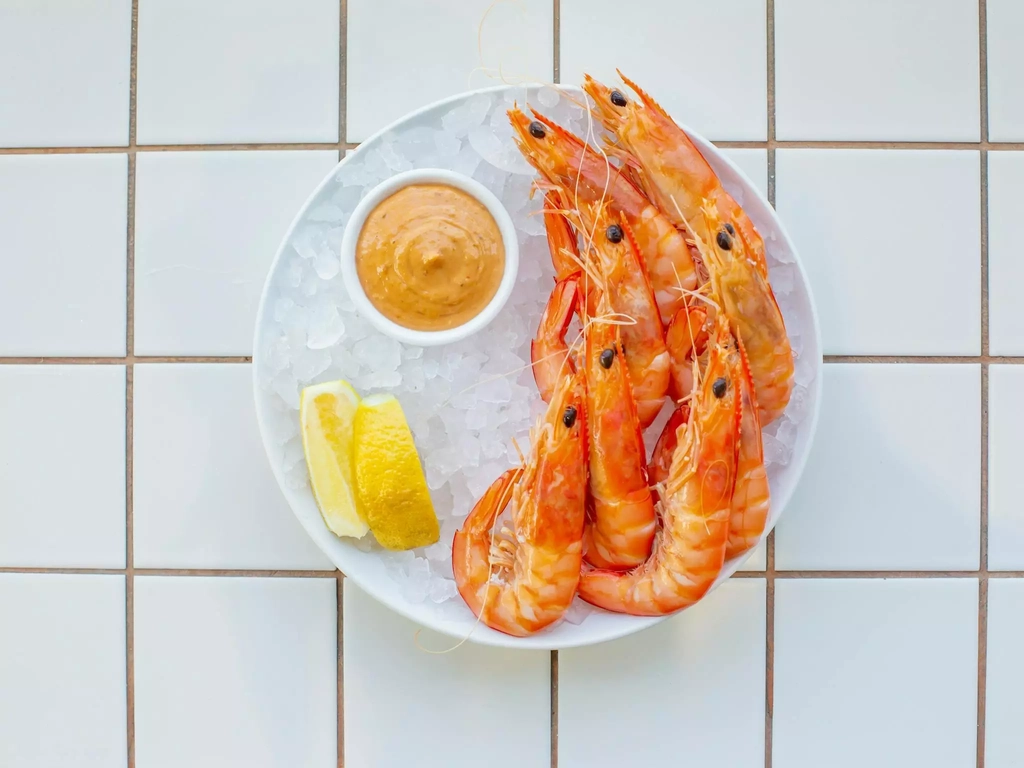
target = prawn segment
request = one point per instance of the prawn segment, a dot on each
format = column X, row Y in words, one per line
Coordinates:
column 522, row 580
column 685, row 339
column 661, row 457
column 565, row 255
column 549, row 353
column 695, row 505
column 622, row 520
column 585, row 175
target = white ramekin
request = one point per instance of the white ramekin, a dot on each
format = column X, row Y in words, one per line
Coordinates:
column 355, row 226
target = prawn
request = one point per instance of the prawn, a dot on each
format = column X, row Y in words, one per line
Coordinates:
column 524, row 579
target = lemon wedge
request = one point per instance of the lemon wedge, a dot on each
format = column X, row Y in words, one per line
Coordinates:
column 327, row 414
column 391, row 490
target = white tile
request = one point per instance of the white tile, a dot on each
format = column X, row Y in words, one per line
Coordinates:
column 470, row 707
column 63, row 232
column 201, row 258
column 204, row 495
column 758, row 559
column 437, row 49
column 697, row 678
column 66, row 70
column 1005, row 483
column 1006, row 272
column 225, row 71
column 877, row 69
column 235, row 672
column 891, row 241
column 1005, row 62
column 674, row 50
column 62, row 466
column 1004, row 673
column 754, row 163
column 62, row 667
column 893, row 480
column 875, row 672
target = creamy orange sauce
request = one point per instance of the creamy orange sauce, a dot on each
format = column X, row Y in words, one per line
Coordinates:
column 430, row 257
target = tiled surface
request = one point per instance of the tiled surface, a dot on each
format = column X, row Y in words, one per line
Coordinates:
column 1005, row 62
column 63, row 466
column 63, row 220
column 237, row 71
column 201, row 258
column 62, row 667
column 1005, row 480
column 235, row 672
column 890, row 485
column 408, row 704
column 234, row 656
column 888, row 271
column 710, row 671
column 873, row 672
column 599, row 36
column 1003, row 745
column 204, row 496
column 470, row 44
column 1006, row 272
column 919, row 82
column 66, row 70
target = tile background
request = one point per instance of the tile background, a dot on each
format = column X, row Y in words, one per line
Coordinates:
column 152, row 154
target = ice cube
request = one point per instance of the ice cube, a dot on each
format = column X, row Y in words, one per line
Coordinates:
column 548, row 97
column 325, row 325
column 458, row 121
column 477, row 108
column 447, row 144
column 442, row 590
column 378, row 353
column 327, row 263
column 310, row 363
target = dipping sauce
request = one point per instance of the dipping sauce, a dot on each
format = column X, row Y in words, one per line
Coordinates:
column 430, row 257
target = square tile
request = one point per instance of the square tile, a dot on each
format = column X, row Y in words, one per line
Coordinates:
column 754, row 163
column 893, row 480
column 708, row 663
column 201, row 259
column 238, row 71
column 62, row 663
column 653, row 49
column 1004, row 674
column 470, row 44
column 63, row 233
column 1005, row 483
column 875, row 672
column 66, row 73
column 919, row 83
column 78, row 522
column 406, row 707
column 204, row 495
column 1006, row 272
column 235, row 672
column 1005, row 62
column 918, row 258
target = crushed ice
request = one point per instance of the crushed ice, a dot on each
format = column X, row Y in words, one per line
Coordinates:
column 469, row 403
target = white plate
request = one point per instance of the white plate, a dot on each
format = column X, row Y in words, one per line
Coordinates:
column 326, row 210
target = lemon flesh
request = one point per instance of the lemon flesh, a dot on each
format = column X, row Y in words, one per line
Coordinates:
column 327, row 415
column 391, row 490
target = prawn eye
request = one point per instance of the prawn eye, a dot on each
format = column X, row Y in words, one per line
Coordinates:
column 730, row 228
column 614, row 233
column 607, row 356
column 569, row 417
column 537, row 130
column 719, row 387
column 724, row 241
column 617, row 98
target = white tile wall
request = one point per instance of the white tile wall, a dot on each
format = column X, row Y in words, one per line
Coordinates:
column 63, row 220
column 235, row 672
column 237, row 71
column 207, row 226
column 1005, row 483
column 876, row 70
column 651, row 43
column 1005, row 201
column 62, row 466
column 1004, row 674
column 1005, row 61
column 869, row 672
column 204, row 495
column 63, row 671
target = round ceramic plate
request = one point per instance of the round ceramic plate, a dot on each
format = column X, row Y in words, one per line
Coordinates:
column 468, row 403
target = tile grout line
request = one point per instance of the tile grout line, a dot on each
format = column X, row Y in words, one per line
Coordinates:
column 554, row 708
column 983, row 512
column 340, row 684
column 342, row 78
column 556, row 36
column 769, row 575
column 127, row 359
column 129, row 577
